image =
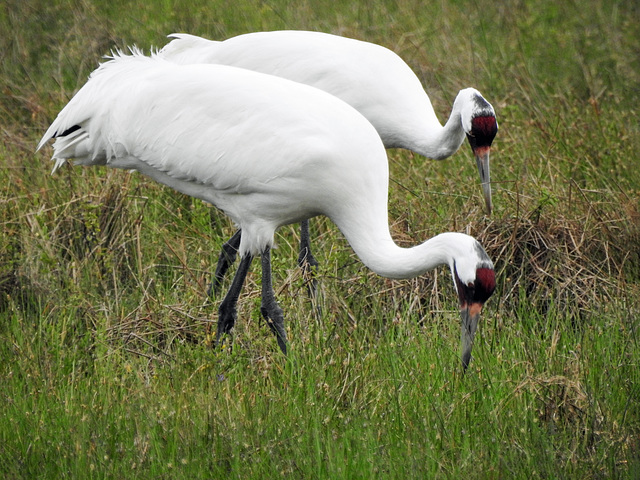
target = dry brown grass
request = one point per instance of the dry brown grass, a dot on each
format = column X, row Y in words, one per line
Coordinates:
column 577, row 263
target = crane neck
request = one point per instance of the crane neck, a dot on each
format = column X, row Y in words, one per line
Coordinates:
column 435, row 141
column 372, row 242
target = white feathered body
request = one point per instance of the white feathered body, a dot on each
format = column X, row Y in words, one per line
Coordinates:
column 369, row 77
column 268, row 152
column 265, row 150
column 260, row 148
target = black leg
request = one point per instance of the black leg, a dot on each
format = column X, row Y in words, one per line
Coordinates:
column 225, row 260
column 227, row 311
column 270, row 309
column 307, row 261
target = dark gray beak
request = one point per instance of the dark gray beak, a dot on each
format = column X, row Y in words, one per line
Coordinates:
column 470, row 315
column 482, row 160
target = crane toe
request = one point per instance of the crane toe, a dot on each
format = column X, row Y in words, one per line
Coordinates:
column 273, row 315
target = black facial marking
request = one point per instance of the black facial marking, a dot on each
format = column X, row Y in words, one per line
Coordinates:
column 480, row 290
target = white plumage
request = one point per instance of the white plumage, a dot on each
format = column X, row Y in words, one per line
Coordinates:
column 266, row 151
column 370, row 78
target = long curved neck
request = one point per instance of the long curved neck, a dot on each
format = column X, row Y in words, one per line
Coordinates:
column 389, row 260
column 435, row 141
column 372, row 242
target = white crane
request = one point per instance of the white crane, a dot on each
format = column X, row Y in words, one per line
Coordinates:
column 369, row 77
column 266, row 151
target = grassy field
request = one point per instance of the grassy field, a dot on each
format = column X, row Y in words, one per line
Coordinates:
column 106, row 365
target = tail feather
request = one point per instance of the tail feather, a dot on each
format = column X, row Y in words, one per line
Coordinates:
column 78, row 112
column 59, row 162
column 49, row 134
column 73, row 145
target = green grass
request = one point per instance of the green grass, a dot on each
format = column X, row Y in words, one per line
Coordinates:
column 106, row 367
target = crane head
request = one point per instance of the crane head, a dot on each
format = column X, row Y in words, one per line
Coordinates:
column 483, row 131
column 474, row 289
column 480, row 126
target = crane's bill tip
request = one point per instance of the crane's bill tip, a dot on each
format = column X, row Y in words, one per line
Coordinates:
column 470, row 314
column 466, row 359
column 486, row 192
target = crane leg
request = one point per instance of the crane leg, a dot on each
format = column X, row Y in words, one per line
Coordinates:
column 269, row 308
column 227, row 312
column 307, row 261
column 225, row 260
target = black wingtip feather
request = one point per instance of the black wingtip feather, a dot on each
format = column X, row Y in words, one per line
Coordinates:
column 68, row 131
